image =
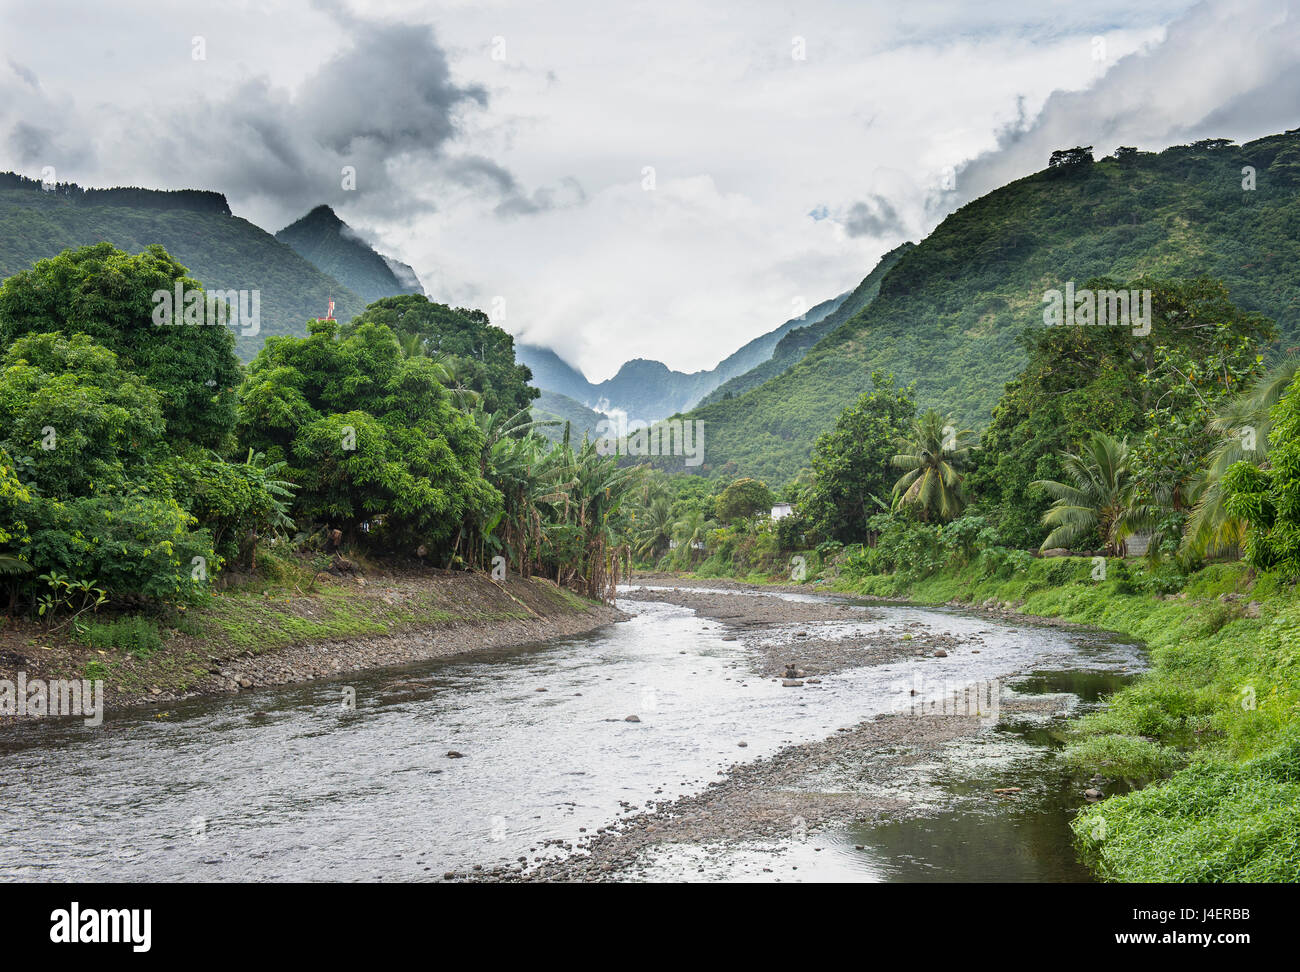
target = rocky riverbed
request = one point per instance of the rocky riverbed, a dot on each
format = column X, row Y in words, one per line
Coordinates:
column 861, row 774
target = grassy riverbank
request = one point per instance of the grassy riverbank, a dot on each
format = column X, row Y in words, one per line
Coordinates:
column 1210, row 735
column 261, row 631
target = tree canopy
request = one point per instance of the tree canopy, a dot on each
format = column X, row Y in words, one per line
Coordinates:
column 107, row 294
column 483, row 350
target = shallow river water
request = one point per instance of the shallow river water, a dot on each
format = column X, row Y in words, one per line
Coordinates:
column 291, row 784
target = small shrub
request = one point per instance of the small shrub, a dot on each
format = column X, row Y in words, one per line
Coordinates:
column 1131, row 757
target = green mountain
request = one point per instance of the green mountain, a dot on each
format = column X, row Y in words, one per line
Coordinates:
column 949, row 311
column 220, row 250
column 552, row 406
column 650, row 390
column 333, row 246
column 793, row 343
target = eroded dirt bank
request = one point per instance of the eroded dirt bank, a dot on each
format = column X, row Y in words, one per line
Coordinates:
column 246, row 641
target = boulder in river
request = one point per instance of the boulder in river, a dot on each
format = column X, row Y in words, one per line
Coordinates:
column 632, row 718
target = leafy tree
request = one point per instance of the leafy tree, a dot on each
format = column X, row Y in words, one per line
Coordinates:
column 81, row 439
column 1094, row 504
column 850, row 464
column 238, row 503
column 484, row 354
column 691, row 529
column 72, row 419
column 1068, row 158
column 368, row 434
column 743, row 499
column 652, row 529
column 1155, row 391
column 132, row 546
column 15, row 503
column 933, row 455
column 1268, row 499
column 108, row 294
column 1242, row 425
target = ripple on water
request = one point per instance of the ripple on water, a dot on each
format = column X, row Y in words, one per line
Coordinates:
column 312, row 791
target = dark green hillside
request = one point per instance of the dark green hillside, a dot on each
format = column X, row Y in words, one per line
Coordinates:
column 333, row 246
column 649, row 390
column 220, row 250
column 552, row 406
column 948, row 313
column 795, row 343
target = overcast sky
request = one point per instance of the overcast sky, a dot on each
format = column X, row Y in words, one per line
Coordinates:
column 663, row 179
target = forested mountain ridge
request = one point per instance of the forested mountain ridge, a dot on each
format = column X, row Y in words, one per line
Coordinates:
column 950, row 311
column 197, row 228
column 553, row 407
column 794, row 343
column 649, row 390
column 333, row 246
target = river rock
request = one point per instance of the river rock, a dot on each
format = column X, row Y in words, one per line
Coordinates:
column 632, row 718
column 452, row 754
column 1094, row 794
column 940, row 653
column 792, row 683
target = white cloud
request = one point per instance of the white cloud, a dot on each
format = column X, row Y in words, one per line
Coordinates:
column 522, row 177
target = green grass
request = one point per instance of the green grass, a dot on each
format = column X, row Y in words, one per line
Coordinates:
column 1215, row 721
column 264, row 621
column 133, row 634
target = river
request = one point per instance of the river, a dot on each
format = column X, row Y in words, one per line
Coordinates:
column 299, row 784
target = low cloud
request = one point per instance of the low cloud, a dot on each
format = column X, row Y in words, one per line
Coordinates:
column 876, row 217
column 1226, row 68
column 370, row 131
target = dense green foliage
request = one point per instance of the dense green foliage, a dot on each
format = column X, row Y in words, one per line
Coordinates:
column 369, row 435
column 743, row 499
column 850, row 463
column 1268, row 499
column 224, row 251
column 949, row 313
column 108, row 295
column 484, row 355
column 1157, row 392
column 129, row 476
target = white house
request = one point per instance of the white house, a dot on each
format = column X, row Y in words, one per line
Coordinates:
column 781, row 511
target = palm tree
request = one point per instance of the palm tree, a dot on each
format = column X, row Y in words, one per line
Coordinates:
column 690, row 530
column 933, row 457
column 1095, row 503
column 13, row 565
column 1243, row 424
column 653, row 528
